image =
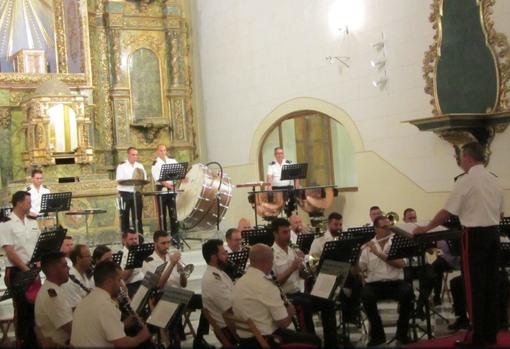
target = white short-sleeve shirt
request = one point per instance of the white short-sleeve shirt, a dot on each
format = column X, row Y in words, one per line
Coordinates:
column 52, row 311
column 155, row 261
column 255, row 297
column 73, row 291
column 274, row 170
column 318, row 244
column 35, row 197
column 477, row 198
column 376, row 268
column 282, row 262
column 137, row 274
column 217, row 293
column 158, row 163
column 125, row 171
column 96, row 321
column 22, row 234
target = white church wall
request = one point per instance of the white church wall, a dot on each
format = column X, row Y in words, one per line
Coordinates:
column 257, row 55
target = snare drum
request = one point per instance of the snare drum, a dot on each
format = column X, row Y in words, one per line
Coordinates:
column 197, row 206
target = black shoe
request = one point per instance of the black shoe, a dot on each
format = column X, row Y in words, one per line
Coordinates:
column 200, row 343
column 376, row 341
column 437, row 300
column 403, row 340
column 462, row 323
column 419, row 313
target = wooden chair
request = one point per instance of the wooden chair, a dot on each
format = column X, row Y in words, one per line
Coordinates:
column 225, row 342
column 234, row 324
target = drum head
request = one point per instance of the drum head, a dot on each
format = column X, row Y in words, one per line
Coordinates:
column 195, row 182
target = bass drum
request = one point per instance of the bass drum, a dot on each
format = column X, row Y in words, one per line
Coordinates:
column 197, row 207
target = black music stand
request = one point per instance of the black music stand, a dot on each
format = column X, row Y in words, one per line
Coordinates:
column 239, row 260
column 304, row 241
column 138, row 254
column 21, row 282
column 142, row 294
column 170, row 307
column 117, row 257
column 293, row 172
column 48, row 241
column 346, row 251
column 504, row 226
column 504, row 257
column 366, row 232
column 173, row 173
column 340, row 270
column 56, row 202
column 255, row 236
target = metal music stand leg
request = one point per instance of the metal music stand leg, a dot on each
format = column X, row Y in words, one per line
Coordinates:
column 162, row 220
column 87, row 229
column 135, row 217
column 255, row 206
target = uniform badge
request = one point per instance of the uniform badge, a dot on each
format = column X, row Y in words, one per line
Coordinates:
column 217, row 276
column 52, row 293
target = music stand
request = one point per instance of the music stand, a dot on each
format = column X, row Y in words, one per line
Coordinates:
column 333, row 275
column 138, row 254
column 255, row 236
column 48, row 241
column 170, row 307
column 174, row 173
column 504, row 257
column 504, row 226
column 117, row 257
column 346, row 251
column 56, row 202
column 294, row 171
column 239, row 259
column 304, row 241
column 366, row 232
column 141, row 296
column 22, row 281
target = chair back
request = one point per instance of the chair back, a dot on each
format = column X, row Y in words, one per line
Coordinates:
column 234, row 323
column 43, row 341
column 225, row 342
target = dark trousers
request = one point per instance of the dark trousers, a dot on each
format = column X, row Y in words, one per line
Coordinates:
column 426, row 276
column 166, row 205
column 195, row 303
column 283, row 336
column 24, row 319
column 398, row 290
column 350, row 304
column 459, row 297
column 480, row 255
column 440, row 267
column 129, row 211
column 308, row 305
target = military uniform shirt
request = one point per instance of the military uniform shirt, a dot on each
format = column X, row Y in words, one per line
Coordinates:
column 274, row 170
column 125, row 171
column 282, row 262
column 74, row 292
column 156, row 168
column 255, row 297
column 52, row 311
column 97, row 321
column 216, row 293
column 22, row 234
column 477, row 198
column 376, row 268
column 318, row 244
column 154, row 261
column 35, row 197
column 137, row 274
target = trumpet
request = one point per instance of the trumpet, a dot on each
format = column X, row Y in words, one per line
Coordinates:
column 185, row 269
column 304, row 273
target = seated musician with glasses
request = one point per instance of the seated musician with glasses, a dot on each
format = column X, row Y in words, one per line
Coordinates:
column 79, row 284
column 287, row 266
column 53, row 313
column 174, row 275
column 384, row 281
column 256, row 297
column 97, row 319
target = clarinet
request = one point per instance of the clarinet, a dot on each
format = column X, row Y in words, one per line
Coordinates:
column 79, row 283
column 285, row 300
column 125, row 305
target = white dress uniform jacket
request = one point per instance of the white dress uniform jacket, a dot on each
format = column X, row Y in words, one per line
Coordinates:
column 73, row 291
column 155, row 262
column 125, row 171
column 156, row 168
column 22, row 234
column 217, row 293
column 274, row 170
column 282, row 262
column 318, row 244
column 35, row 197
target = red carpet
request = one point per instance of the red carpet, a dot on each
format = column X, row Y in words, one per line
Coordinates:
column 448, row 341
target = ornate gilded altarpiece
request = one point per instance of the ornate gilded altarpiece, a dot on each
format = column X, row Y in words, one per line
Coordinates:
column 467, row 73
column 127, row 67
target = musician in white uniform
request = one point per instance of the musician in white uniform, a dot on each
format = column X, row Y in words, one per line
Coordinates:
column 79, row 284
column 217, row 285
column 18, row 238
column 335, row 224
column 96, row 322
column 274, row 173
column 132, row 277
column 128, row 170
column 385, row 280
column 53, row 314
column 256, row 297
column 36, row 190
column 166, row 200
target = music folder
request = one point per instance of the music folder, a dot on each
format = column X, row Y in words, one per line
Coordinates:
column 142, row 294
column 170, row 306
column 332, row 276
column 138, row 254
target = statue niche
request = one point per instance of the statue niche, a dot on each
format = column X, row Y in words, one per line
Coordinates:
column 56, row 127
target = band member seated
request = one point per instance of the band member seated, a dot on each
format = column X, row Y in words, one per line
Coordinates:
column 36, row 191
column 53, row 314
column 256, row 297
column 66, row 248
column 287, row 264
column 373, row 213
column 166, row 200
column 96, row 322
column 101, row 253
column 244, row 224
column 384, row 280
column 79, row 284
column 296, row 227
column 350, row 296
column 18, row 238
column 174, row 276
column 132, row 277
column 234, row 240
column 217, row 285
column 130, row 169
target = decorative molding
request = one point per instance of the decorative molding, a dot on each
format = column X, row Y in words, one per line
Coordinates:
column 430, row 58
column 60, row 36
column 5, row 118
column 33, row 80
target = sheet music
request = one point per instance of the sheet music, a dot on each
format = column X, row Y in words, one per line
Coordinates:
column 162, row 313
column 409, row 227
column 138, row 297
column 323, row 285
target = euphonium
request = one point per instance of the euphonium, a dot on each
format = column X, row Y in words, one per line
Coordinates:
column 185, row 269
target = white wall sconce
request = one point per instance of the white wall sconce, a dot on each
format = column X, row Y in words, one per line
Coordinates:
column 339, row 59
column 379, row 64
column 381, row 83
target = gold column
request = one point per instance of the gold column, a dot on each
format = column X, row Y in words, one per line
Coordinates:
column 5, row 117
column 60, row 30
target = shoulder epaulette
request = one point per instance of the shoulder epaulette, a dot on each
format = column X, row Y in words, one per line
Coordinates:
column 149, row 259
column 288, row 162
column 493, row 174
column 457, row 177
column 154, row 162
column 216, row 275
column 272, row 163
column 52, row 293
column 28, row 188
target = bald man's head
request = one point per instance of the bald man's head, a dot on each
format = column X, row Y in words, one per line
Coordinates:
column 244, row 224
column 261, row 257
